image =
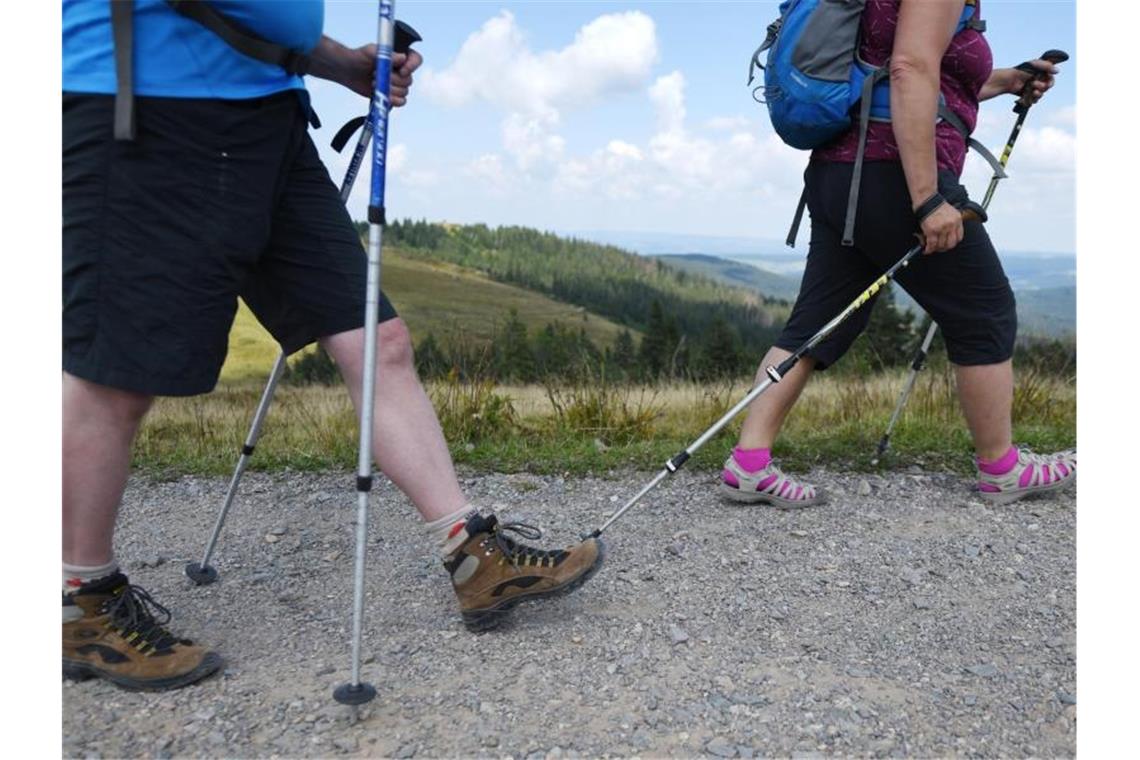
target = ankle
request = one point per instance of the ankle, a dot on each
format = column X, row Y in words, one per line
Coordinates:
column 77, row 576
column 999, row 465
column 447, row 530
column 752, row 460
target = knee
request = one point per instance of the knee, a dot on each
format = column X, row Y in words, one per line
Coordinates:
column 394, row 345
column 100, row 402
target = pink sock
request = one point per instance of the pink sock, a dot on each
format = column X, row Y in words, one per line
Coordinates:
column 752, row 460
column 999, row 466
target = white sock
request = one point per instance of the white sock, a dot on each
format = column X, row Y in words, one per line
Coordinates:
column 75, row 576
column 447, row 531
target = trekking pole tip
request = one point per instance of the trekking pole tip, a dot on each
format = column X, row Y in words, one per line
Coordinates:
column 354, row 694
column 202, row 575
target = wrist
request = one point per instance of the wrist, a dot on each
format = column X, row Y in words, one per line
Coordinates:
column 928, row 206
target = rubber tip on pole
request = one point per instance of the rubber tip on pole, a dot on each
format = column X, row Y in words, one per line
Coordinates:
column 354, row 693
column 597, row 533
column 884, row 442
column 201, row 575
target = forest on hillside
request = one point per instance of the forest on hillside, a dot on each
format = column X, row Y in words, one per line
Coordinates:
column 691, row 326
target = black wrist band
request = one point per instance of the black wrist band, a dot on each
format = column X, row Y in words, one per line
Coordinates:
column 928, row 206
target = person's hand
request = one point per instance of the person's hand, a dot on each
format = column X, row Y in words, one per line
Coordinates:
column 1039, row 84
column 942, row 230
column 359, row 72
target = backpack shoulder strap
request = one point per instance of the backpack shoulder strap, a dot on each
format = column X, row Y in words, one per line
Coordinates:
column 241, row 39
column 123, row 34
column 952, row 119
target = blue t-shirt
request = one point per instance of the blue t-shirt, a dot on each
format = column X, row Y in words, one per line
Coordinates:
column 175, row 56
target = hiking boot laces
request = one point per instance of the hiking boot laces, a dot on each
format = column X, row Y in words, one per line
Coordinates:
column 521, row 554
column 140, row 620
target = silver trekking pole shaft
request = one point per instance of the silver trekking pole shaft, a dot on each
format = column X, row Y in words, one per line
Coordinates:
column 356, row 692
column 202, row 573
column 776, row 374
column 916, row 366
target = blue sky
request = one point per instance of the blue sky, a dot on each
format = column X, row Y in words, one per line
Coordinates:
column 635, row 116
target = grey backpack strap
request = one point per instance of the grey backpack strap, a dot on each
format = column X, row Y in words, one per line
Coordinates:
column 857, row 170
column 952, row 119
column 791, row 240
column 241, row 39
column 123, row 32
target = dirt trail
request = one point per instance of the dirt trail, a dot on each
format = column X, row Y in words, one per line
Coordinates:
column 903, row 618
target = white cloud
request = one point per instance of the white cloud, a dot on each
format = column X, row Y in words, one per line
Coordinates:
column 676, row 163
column 668, row 97
column 612, row 53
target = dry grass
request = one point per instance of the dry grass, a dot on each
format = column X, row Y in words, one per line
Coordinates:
column 585, row 427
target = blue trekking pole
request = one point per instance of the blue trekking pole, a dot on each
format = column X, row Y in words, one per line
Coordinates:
column 356, row 692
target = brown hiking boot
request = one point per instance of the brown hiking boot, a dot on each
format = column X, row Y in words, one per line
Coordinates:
column 110, row 631
column 491, row 573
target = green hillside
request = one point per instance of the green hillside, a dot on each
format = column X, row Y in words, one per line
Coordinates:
column 608, row 281
column 735, row 273
column 445, row 300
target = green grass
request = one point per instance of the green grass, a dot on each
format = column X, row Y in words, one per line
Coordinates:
column 594, row 428
column 432, row 297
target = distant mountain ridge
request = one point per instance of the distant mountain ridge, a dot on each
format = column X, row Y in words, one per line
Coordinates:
column 1045, row 287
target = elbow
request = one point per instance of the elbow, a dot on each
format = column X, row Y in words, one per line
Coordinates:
column 906, row 68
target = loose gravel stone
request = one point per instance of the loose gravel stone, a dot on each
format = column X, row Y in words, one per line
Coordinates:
column 857, row 628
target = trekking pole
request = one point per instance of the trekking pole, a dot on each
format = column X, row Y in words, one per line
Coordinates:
column 202, row 573
column 355, row 692
column 1021, row 108
column 971, row 211
column 916, row 366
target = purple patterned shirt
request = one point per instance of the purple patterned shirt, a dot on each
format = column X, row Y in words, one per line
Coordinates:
column 965, row 68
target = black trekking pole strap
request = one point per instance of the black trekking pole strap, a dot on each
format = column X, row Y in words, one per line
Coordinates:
column 123, row 33
column 240, row 38
column 405, row 37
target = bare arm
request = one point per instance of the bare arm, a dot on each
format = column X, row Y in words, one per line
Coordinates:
column 1012, row 81
column 354, row 68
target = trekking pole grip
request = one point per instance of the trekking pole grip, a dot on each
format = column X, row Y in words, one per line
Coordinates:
column 1052, row 56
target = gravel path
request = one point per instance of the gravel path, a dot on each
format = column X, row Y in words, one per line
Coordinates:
column 905, row 618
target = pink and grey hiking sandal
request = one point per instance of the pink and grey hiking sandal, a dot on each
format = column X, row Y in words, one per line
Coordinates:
column 766, row 486
column 1030, row 474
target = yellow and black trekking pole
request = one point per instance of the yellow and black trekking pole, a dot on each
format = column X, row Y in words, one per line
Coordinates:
column 971, row 211
column 1021, row 108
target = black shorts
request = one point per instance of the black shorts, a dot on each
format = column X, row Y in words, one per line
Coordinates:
column 214, row 200
column 964, row 289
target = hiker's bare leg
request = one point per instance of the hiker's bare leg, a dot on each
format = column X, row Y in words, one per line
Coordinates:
column 99, row 424
column 407, row 440
column 986, row 395
column 766, row 414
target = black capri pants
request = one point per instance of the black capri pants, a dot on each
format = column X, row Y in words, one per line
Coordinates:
column 964, row 289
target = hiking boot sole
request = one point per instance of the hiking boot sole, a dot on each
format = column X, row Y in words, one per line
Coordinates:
column 478, row 621
column 81, row 671
column 743, row 497
column 1008, row 497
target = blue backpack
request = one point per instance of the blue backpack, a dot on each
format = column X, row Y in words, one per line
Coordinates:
column 815, row 84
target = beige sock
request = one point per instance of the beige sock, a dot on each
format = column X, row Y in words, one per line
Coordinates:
column 75, row 576
column 447, row 531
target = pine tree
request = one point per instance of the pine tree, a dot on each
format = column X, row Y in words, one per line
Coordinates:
column 720, row 352
column 656, row 343
column 513, row 359
column 624, row 354
column 890, row 332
